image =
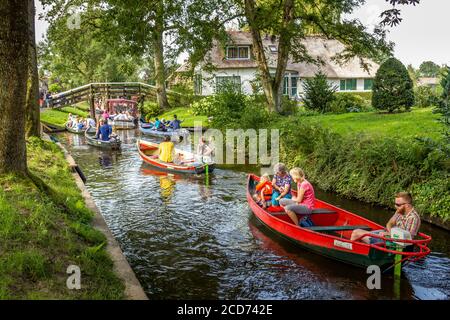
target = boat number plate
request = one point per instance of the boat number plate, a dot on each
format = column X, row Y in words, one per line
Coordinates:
column 343, row 244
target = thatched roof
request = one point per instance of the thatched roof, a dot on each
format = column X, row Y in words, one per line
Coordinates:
column 316, row 47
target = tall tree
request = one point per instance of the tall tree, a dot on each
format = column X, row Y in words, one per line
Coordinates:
column 13, row 79
column 155, row 29
column 392, row 87
column 142, row 27
column 75, row 57
column 291, row 21
column 32, row 125
column 429, row 69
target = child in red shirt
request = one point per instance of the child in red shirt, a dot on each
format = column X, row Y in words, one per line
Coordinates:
column 263, row 191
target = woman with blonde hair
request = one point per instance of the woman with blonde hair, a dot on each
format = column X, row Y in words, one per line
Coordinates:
column 303, row 203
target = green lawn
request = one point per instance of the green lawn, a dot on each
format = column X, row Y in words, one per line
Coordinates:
column 45, row 228
column 59, row 116
column 184, row 114
column 418, row 123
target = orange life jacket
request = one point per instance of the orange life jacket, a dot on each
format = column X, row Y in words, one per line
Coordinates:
column 267, row 189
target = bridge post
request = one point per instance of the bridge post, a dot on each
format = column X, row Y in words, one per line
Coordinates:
column 92, row 103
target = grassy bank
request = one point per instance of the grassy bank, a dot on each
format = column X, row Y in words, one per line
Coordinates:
column 186, row 115
column 44, row 228
column 59, row 117
column 417, row 123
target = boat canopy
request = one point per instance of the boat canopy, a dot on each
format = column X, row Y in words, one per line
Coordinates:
column 119, row 105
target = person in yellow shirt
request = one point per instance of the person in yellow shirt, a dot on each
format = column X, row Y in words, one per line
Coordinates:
column 166, row 150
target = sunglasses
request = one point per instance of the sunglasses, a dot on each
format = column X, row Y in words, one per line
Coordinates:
column 400, row 204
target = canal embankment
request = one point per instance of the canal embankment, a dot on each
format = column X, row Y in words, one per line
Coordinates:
column 48, row 225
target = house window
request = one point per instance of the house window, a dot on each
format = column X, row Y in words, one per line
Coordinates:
column 348, row 84
column 286, row 85
column 294, row 81
column 198, row 84
column 237, row 53
column 222, row 81
column 368, row 83
column 232, row 53
column 273, row 49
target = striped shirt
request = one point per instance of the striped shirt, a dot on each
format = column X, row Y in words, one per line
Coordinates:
column 409, row 222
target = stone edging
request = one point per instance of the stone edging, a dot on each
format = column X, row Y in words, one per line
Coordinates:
column 133, row 289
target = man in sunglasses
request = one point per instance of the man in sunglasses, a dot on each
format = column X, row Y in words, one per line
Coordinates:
column 405, row 217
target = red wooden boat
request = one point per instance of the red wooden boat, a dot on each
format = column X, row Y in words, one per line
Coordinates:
column 330, row 235
column 147, row 151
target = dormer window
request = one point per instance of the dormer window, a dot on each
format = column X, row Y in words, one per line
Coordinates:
column 238, row 53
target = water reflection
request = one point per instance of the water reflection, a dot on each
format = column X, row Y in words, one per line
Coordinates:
column 107, row 158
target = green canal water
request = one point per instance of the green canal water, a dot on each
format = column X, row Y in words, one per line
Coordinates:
column 188, row 238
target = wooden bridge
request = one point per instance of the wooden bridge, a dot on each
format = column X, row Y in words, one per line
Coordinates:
column 111, row 90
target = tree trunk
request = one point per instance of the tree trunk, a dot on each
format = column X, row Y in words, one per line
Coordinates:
column 32, row 114
column 13, row 88
column 160, row 77
column 272, row 87
column 258, row 51
column 284, row 47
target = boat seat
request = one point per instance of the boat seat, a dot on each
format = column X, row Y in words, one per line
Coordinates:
column 314, row 211
column 337, row 228
column 322, row 210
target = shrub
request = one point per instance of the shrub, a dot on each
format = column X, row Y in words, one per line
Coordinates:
column 366, row 95
column 347, row 102
column 55, row 88
column 426, row 97
column 392, row 87
column 150, row 109
column 319, row 93
column 228, row 106
column 288, row 106
column 204, row 107
column 255, row 115
column 444, row 105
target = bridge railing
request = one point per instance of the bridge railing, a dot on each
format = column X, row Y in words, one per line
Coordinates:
column 84, row 93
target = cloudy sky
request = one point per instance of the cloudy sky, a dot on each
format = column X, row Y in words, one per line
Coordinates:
column 422, row 35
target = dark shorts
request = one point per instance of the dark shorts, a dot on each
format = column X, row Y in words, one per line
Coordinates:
column 376, row 240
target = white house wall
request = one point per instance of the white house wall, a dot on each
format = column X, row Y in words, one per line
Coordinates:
column 336, row 82
column 209, row 81
column 248, row 75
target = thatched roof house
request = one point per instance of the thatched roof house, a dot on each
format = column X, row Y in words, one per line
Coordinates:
column 235, row 62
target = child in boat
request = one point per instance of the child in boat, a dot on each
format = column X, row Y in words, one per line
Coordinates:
column 264, row 190
column 80, row 124
column 69, row 120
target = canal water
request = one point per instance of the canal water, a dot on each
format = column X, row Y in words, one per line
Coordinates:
column 188, row 238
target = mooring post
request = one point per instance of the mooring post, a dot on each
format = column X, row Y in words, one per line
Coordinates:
column 397, row 272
